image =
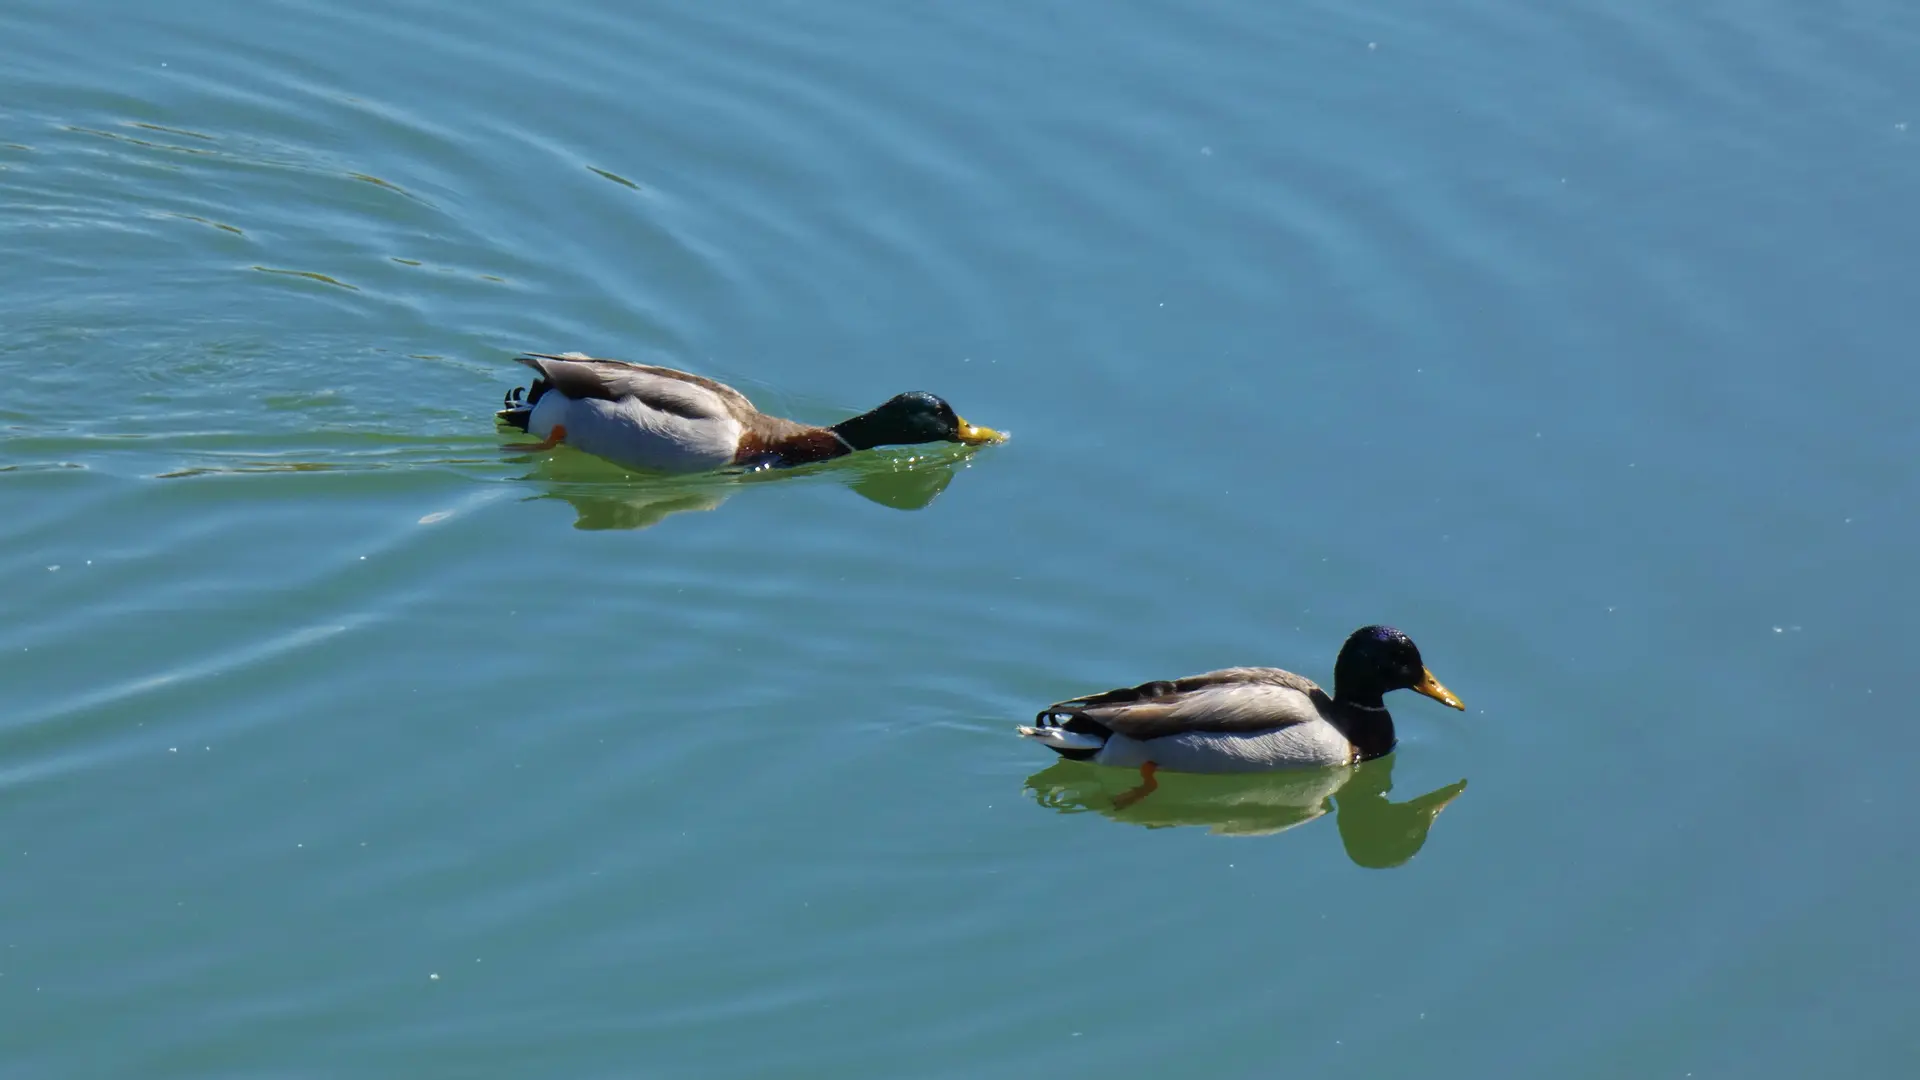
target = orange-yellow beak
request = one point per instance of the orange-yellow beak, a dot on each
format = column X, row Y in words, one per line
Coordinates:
column 1431, row 687
column 975, row 435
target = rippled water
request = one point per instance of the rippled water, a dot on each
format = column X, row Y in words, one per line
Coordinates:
column 1575, row 341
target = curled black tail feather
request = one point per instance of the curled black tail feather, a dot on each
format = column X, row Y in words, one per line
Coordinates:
column 1067, row 715
column 517, row 406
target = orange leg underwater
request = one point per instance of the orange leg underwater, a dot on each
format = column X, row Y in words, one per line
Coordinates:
column 1147, row 787
column 558, row 436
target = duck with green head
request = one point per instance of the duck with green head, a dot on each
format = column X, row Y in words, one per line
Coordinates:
column 1246, row 719
column 659, row 419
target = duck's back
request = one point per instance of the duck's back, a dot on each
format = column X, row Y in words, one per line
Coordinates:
column 638, row 415
column 1232, row 720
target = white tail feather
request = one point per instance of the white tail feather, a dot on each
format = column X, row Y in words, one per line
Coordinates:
column 1061, row 738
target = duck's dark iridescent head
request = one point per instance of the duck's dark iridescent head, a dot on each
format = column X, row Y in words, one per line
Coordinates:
column 1378, row 659
column 909, row 418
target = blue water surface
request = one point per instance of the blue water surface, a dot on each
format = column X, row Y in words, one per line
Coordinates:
column 1576, row 341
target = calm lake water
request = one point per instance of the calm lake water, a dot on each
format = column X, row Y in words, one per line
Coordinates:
column 1577, row 341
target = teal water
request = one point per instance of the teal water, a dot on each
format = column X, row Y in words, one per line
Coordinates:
column 1576, row 341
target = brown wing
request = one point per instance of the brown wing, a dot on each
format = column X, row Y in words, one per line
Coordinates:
column 665, row 388
column 1229, row 700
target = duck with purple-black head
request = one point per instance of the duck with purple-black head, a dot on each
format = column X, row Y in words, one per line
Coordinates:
column 658, row 419
column 1245, row 719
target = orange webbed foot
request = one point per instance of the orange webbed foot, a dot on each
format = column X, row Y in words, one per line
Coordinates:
column 1147, row 787
column 555, row 438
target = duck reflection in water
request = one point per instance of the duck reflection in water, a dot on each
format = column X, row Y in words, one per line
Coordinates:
column 604, row 496
column 1377, row 832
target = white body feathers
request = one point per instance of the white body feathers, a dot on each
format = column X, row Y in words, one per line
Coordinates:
column 1297, row 746
column 1231, row 721
column 636, row 415
column 634, row 434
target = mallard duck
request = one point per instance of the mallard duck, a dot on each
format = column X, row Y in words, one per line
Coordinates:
column 656, row 418
column 1246, row 719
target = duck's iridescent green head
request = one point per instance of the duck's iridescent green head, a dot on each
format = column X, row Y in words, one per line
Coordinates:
column 1379, row 659
column 910, row 418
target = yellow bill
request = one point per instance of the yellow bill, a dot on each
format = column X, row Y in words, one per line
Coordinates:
column 975, row 435
column 1431, row 687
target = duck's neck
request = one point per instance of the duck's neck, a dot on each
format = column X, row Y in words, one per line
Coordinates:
column 1364, row 718
column 862, row 432
column 786, row 443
